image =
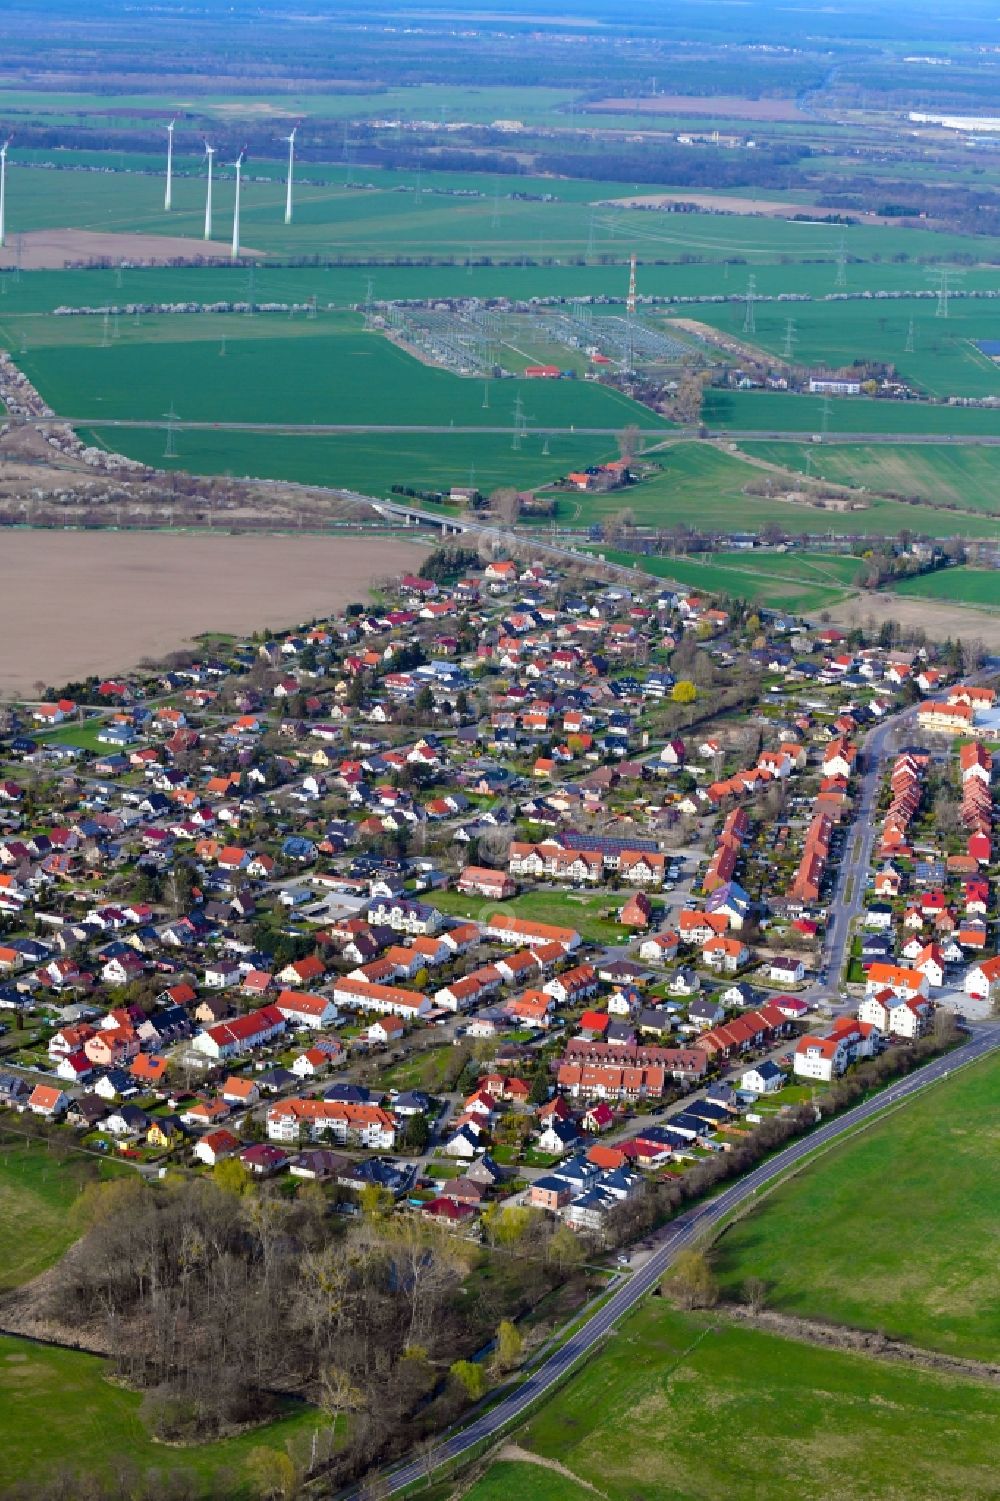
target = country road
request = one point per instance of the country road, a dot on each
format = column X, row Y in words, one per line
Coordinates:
column 680, row 1234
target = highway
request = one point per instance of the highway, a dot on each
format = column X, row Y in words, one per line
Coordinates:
column 678, row 1236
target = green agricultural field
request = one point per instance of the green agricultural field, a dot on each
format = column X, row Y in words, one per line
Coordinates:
column 894, row 1230
column 393, row 217
column 800, row 582
column 37, row 1193
column 963, row 476
column 415, row 102
column 564, row 909
column 693, row 1408
column 313, row 373
column 367, row 462
column 965, row 586
column 944, row 360
column 524, row 271
column 91, row 1425
column 783, row 412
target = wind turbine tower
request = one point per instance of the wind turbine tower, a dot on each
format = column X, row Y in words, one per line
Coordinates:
column 3, row 191
column 238, row 164
column 630, row 300
column 168, row 195
column 291, row 168
column 209, row 153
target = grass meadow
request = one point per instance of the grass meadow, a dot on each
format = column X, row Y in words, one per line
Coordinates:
column 38, row 1190
column 895, row 1229
column 564, row 909
column 966, row 586
column 688, row 1407
column 91, row 1425
column 963, row 475
column 800, row 582
column 703, row 485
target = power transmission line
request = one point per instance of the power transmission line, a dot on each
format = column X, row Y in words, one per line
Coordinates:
column 749, row 318
column 170, row 449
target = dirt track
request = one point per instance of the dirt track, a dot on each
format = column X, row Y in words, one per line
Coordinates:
column 73, row 603
column 52, row 249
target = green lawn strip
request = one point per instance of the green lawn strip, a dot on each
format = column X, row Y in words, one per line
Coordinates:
column 894, row 1229
column 683, row 1406
column 90, row 1423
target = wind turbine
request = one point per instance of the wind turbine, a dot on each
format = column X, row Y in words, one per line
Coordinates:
column 238, row 164
column 3, row 190
column 168, row 195
column 291, row 168
column 209, row 153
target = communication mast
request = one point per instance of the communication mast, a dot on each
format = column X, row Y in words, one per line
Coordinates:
column 630, row 301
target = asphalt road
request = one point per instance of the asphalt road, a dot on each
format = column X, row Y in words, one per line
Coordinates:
column 680, row 1234
column 849, row 889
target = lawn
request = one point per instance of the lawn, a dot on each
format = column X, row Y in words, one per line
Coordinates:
column 966, row 477
column 793, row 581
column 564, row 909
column 37, row 1194
column 966, row 586
column 89, row 1424
column 681, row 1408
column 82, row 735
column 895, row 1230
